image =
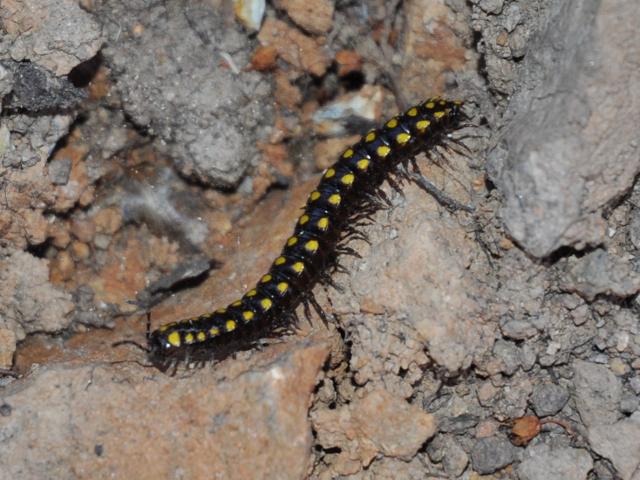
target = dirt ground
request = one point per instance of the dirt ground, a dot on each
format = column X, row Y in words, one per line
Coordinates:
column 158, row 154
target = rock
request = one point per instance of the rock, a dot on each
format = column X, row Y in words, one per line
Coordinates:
column 228, row 421
column 440, row 306
column 553, row 197
column 56, row 34
column 297, row 49
column 7, row 348
column 459, row 424
column 620, row 443
column 28, row 302
column 315, row 17
column 37, row 90
column 491, row 454
column 542, row 462
column 597, row 393
column 509, row 354
column 629, row 403
column 517, row 329
column 549, row 399
column 217, row 107
column 599, row 273
column 379, row 423
column 456, row 460
column 59, row 170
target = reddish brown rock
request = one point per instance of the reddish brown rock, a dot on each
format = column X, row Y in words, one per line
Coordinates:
column 83, row 230
column 108, row 220
column 432, row 48
column 378, row 424
column 227, row 421
column 296, row 48
column 314, row 16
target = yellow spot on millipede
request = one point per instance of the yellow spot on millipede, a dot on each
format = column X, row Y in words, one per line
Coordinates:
column 292, row 241
column 403, row 138
column 335, row 199
column 266, row 278
column 283, row 287
column 214, row 331
column 266, row 303
column 315, row 195
column 430, row 105
column 311, row 246
column 252, row 292
column 298, row 267
column 383, row 151
column 438, row 114
column 303, row 219
column 330, row 173
column 221, row 310
column 412, row 112
column 248, row 315
column 363, row 164
column 348, row 179
column 371, row 136
column 174, row 339
column 237, row 303
column 230, row 325
column 323, row 223
column 393, row 123
column 348, row 153
column 422, row 125
column 188, row 338
column 280, row 261
column 201, row 336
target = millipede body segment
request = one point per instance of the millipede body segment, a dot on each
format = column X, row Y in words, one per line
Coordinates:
column 348, row 192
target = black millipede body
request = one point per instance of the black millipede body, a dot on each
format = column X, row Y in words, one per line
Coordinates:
column 348, row 192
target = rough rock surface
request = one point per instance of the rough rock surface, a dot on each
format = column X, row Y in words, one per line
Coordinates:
column 99, row 421
column 565, row 153
column 55, row 34
column 194, row 70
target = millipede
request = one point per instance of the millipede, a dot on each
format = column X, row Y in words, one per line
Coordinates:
column 342, row 202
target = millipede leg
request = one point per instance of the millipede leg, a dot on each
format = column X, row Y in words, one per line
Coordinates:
column 442, row 198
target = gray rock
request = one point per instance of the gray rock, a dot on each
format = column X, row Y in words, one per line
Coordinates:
column 37, row 90
column 56, row 34
column 629, row 403
column 634, row 383
column 546, row 463
column 549, row 399
column 182, row 80
column 552, row 194
column 491, row 454
column 528, row 357
column 509, row 353
column 620, row 443
column 597, row 393
column 461, row 423
column 59, row 170
column 600, row 273
column 517, row 329
column 456, row 460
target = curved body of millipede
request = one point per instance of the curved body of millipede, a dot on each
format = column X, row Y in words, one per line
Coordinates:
column 348, row 193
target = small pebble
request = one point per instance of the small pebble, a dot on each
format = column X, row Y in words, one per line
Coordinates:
column 549, row 399
column 491, row 454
